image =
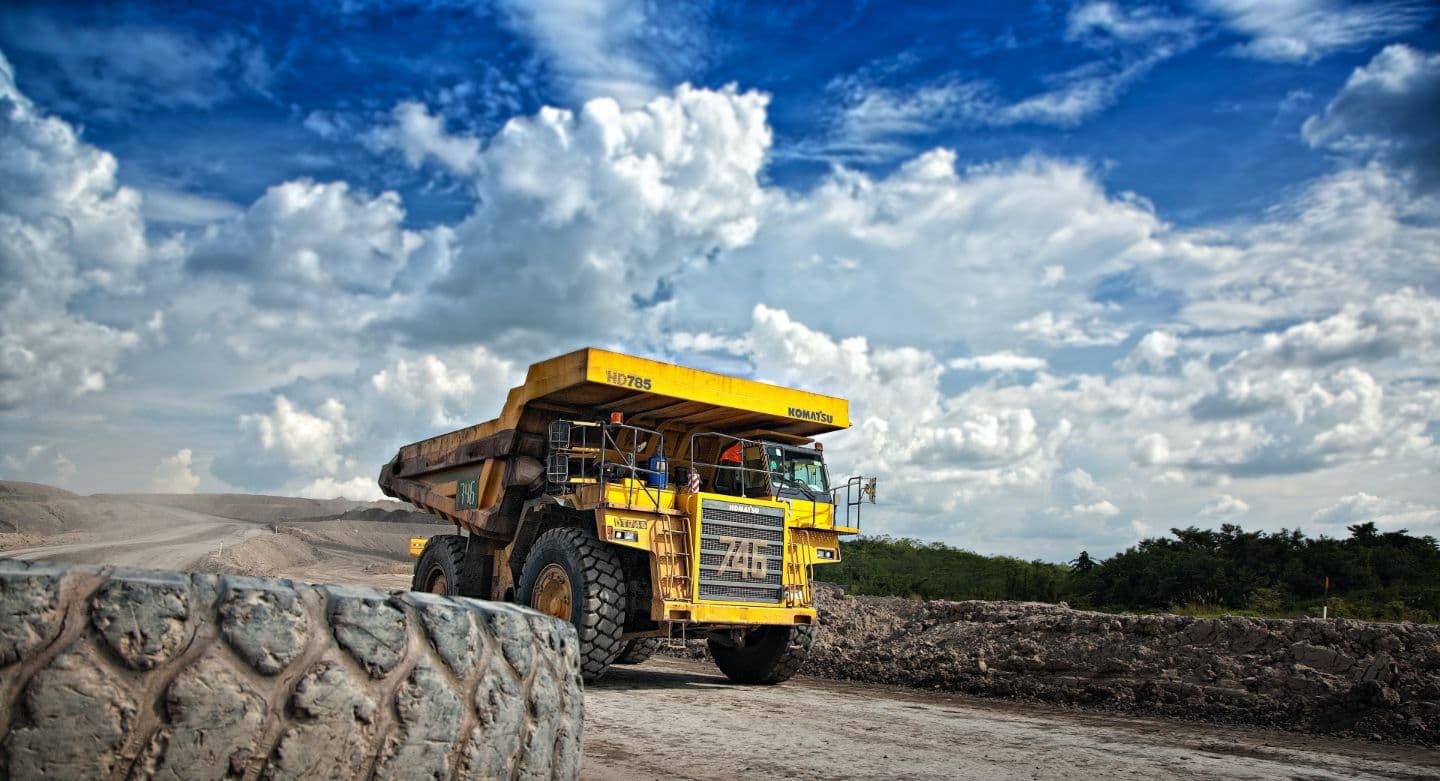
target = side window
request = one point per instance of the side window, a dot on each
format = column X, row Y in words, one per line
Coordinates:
column 727, row 472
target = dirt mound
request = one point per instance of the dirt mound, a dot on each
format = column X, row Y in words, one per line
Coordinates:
column 381, row 515
column 1341, row 676
column 15, row 540
column 264, row 555
column 377, row 538
column 32, row 508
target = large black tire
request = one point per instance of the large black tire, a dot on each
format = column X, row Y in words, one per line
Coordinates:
column 639, row 650
column 597, row 597
column 122, row 673
column 440, row 566
column 770, row 655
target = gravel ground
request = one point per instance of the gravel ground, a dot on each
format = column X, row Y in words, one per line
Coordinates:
column 679, row 719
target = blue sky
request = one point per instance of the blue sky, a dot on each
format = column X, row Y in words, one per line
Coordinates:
column 1088, row 269
column 1203, row 133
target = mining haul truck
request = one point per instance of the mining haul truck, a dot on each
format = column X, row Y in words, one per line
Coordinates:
column 645, row 503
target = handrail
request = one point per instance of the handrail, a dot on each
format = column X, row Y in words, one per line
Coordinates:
column 857, row 489
column 631, row 463
column 593, row 450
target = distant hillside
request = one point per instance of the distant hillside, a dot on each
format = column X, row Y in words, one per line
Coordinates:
column 33, row 508
column 23, row 491
column 1371, row 574
column 254, row 507
column 884, row 566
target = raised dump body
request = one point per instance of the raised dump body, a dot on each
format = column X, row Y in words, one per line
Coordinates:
column 641, row 500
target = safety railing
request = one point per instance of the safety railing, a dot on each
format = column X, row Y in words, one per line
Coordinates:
column 748, row 481
column 581, row 454
column 856, row 491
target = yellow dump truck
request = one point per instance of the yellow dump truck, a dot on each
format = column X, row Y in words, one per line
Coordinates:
column 644, row 502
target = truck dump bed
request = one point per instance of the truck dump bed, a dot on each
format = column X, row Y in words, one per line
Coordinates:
column 476, row 476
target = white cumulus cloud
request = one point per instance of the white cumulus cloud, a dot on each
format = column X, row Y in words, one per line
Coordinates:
column 173, row 475
column 1387, row 110
column 305, row 440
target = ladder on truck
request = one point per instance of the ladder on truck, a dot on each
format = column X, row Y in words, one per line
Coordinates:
column 672, row 551
column 799, row 568
column 672, row 548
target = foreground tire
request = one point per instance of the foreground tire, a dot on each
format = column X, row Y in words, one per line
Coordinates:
column 120, row 673
column 770, row 655
column 571, row 575
column 439, row 568
column 639, row 650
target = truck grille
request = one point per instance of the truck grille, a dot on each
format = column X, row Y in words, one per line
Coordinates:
column 742, row 550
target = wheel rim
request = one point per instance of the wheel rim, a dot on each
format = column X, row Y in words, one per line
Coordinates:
column 552, row 592
column 439, row 584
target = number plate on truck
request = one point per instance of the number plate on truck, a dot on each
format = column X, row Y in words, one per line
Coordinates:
column 467, row 494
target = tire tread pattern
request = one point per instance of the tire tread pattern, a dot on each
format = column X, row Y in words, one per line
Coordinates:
column 121, row 673
column 604, row 591
column 778, row 655
column 639, row 650
column 446, row 550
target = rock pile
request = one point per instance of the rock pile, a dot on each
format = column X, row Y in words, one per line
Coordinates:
column 1342, row 676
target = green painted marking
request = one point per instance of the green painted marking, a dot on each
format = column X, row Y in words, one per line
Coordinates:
column 467, row 494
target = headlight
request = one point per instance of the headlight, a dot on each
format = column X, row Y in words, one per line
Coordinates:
column 825, row 553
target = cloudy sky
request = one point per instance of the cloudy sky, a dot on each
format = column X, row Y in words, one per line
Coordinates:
column 1087, row 271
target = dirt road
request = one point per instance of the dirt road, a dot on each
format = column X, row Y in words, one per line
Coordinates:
column 176, row 547
column 679, row 719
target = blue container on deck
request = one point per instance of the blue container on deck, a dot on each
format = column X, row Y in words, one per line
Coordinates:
column 659, row 475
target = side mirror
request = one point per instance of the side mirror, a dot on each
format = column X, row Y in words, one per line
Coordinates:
column 869, row 489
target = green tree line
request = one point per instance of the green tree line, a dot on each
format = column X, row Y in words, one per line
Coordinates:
column 1372, row 574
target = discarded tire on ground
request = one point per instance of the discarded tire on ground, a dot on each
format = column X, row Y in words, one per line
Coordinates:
column 119, row 673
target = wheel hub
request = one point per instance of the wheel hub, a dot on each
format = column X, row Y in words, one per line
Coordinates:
column 553, row 596
column 439, row 584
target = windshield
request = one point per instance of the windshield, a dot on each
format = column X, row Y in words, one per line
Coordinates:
column 802, row 470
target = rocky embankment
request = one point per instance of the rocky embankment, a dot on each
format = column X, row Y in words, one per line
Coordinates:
column 1368, row 679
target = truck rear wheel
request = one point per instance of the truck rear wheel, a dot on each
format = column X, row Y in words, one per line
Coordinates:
column 440, row 565
column 639, row 650
column 122, row 673
column 571, row 575
column 769, row 655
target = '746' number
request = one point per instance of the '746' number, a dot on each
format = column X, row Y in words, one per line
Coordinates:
column 744, row 557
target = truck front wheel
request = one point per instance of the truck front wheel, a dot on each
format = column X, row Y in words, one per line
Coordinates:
column 571, row 575
column 768, row 654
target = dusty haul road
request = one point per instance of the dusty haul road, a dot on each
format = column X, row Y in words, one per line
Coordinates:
column 178, row 547
column 671, row 718
column 680, row 719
